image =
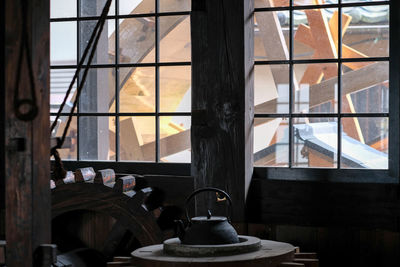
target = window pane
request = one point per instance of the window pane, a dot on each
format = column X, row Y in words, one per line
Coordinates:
column 137, row 89
column 60, row 79
column 355, row 1
column 313, row 2
column 95, row 7
column 175, row 139
column 175, row 43
column 367, row 34
column 315, row 88
column 69, row 151
column 96, row 141
column 315, row 142
column 98, row 91
column 316, row 33
column 136, row 40
column 271, row 89
column 63, row 41
column 271, row 142
column 105, row 48
column 137, row 137
column 175, row 89
column 270, row 3
column 365, row 87
column 62, row 8
column 127, row 7
column 281, row 3
column 271, row 35
column 366, row 145
column 174, row 5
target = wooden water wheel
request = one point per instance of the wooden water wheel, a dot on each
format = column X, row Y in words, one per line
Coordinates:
column 109, row 214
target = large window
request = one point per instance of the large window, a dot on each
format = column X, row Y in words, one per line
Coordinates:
column 136, row 102
column 322, row 86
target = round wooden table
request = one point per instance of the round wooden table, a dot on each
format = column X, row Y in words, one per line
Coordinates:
column 270, row 254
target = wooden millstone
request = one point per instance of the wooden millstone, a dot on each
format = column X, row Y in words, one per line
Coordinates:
column 271, row 254
column 247, row 244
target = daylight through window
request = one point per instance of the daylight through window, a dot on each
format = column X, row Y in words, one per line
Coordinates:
column 321, row 84
column 136, row 102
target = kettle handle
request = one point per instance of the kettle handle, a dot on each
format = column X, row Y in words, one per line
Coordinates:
column 203, row 190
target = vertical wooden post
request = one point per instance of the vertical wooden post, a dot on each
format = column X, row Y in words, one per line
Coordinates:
column 2, row 120
column 222, row 97
column 27, row 170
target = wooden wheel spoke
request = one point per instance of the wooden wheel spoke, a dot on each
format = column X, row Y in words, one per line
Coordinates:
column 113, row 240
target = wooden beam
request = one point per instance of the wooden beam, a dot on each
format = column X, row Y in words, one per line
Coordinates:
column 351, row 126
column 334, row 26
column 169, row 145
column 271, row 33
column 352, row 81
column 130, row 140
column 273, row 40
column 132, row 147
column 303, row 35
column 321, row 34
column 276, row 3
column 222, row 116
column 28, row 203
column 323, row 42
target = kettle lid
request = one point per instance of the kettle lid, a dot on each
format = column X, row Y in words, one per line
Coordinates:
column 200, row 219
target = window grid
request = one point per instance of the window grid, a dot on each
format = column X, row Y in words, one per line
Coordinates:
column 116, row 66
column 339, row 60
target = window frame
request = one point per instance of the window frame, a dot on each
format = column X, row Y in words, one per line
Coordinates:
column 304, row 174
column 391, row 175
column 157, row 165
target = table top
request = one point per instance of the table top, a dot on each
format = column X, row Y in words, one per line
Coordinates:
column 270, row 254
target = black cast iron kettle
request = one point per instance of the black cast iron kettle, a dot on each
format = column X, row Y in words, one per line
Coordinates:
column 207, row 230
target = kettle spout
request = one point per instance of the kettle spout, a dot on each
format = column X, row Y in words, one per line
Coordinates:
column 180, row 229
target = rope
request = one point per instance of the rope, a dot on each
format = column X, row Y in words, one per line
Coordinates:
column 59, row 172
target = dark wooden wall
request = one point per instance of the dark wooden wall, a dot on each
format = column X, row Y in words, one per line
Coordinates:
column 335, row 246
column 347, row 224
column 324, row 204
column 27, row 170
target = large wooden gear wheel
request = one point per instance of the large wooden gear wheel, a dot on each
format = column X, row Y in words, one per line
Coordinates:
column 121, row 198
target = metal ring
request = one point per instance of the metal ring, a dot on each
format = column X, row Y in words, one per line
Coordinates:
column 30, row 114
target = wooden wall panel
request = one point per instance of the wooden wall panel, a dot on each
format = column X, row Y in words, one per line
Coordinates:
column 27, row 171
column 222, row 97
column 321, row 204
column 337, row 246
